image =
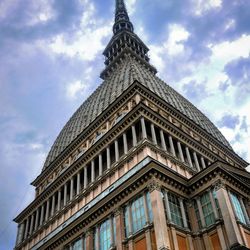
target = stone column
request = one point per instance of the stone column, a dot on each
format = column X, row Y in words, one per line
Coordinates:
column 92, row 171
column 196, row 161
column 31, row 224
column 130, row 222
column 59, row 199
column 180, row 151
column 203, row 162
column 97, row 241
column 228, row 216
column 85, row 177
column 119, row 223
column 78, row 183
column 125, row 143
column 160, row 223
column 190, row 163
column 203, row 223
column 153, row 133
column 215, row 210
column 71, row 192
column 20, row 233
column 53, row 205
column 143, row 126
column 244, row 211
column 47, row 210
column 146, row 208
column 37, row 219
column 65, row 194
column 185, row 223
column 134, row 136
column 89, row 240
column 116, row 151
column 148, row 239
column 171, row 145
column 26, row 228
column 163, row 142
column 167, row 206
column 108, row 157
column 100, row 165
column 42, row 214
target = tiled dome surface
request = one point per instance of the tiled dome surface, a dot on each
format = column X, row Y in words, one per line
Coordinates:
column 128, row 71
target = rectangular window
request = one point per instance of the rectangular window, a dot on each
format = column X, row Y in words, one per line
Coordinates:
column 150, row 212
column 77, row 245
column 207, row 209
column 105, row 235
column 138, row 214
column 237, row 208
column 126, row 220
column 197, row 213
column 175, row 210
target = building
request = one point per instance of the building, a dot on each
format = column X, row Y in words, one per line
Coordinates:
column 137, row 167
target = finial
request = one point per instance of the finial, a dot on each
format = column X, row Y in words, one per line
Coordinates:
column 122, row 21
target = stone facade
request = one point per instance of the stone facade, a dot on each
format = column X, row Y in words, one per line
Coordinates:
column 146, row 170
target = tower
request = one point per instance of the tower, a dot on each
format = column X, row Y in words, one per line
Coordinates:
column 137, row 167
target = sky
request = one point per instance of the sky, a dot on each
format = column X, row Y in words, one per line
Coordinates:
column 51, row 58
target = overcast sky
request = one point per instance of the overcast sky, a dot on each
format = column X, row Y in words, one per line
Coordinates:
column 51, row 57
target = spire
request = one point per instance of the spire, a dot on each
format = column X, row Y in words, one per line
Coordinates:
column 124, row 42
column 122, row 21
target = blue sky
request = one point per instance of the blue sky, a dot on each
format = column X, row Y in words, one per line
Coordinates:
column 50, row 57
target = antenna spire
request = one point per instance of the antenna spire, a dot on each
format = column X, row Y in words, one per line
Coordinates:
column 122, row 21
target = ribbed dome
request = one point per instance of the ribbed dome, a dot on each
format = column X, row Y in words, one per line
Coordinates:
column 114, row 85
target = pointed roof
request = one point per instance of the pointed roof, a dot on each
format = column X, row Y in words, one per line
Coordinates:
column 126, row 62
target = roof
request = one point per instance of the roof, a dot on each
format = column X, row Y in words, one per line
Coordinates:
column 123, row 76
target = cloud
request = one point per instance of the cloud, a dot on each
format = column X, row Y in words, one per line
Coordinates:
column 229, row 121
column 74, row 89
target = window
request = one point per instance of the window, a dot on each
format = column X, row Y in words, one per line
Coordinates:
column 237, row 208
column 197, row 214
column 175, row 210
column 105, row 235
column 207, row 209
column 138, row 214
column 77, row 245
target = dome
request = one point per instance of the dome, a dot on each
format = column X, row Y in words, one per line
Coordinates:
column 125, row 74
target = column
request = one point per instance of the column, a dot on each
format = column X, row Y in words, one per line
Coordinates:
column 163, row 142
column 37, row 219
column 171, row 145
column 119, row 223
column 153, row 133
column 215, row 210
column 85, row 177
column 116, row 151
column 42, row 214
column 244, row 210
column 92, row 171
column 26, row 228
column 167, row 205
column 228, row 216
column 65, row 194
column 78, row 183
column 47, row 211
column 31, row 224
column 134, row 136
column 146, row 208
column 108, row 157
column 180, row 151
column 125, row 143
column 100, row 165
column 59, row 200
column 148, row 239
column 20, row 233
column 189, row 157
column 71, row 192
column 143, row 126
column 203, row 163
column 160, row 223
column 183, row 213
column 203, row 223
column 53, row 205
column 89, row 240
column 130, row 229
column 197, row 165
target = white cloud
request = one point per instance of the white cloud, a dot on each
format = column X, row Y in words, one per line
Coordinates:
column 87, row 42
column 201, row 6
column 130, row 4
column 74, row 89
